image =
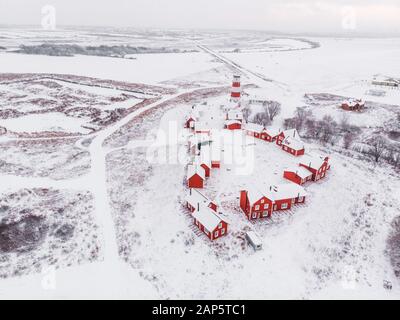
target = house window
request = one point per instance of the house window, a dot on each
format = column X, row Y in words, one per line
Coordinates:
column 257, row 207
column 220, row 225
column 222, row 232
column 216, row 234
column 265, row 214
column 254, row 215
column 284, row 206
column 266, row 206
column 262, row 200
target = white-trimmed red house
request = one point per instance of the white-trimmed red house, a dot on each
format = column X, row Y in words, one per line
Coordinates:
column 255, row 204
column 270, row 134
column 293, row 146
column 190, row 121
column 299, row 175
column 253, row 129
column 292, row 133
column 353, row 105
column 233, row 124
column 195, row 176
column 317, row 165
column 284, row 196
column 210, row 223
column 195, row 199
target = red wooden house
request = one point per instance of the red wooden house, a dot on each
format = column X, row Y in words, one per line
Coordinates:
column 299, row 175
column 233, row 124
column 270, row 134
column 190, row 121
column 255, row 204
column 210, row 222
column 317, row 165
column 353, row 105
column 284, row 196
column 285, row 134
column 195, row 176
column 293, row 146
column 254, row 130
column 195, row 199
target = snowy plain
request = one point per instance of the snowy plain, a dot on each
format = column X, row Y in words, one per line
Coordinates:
column 333, row 247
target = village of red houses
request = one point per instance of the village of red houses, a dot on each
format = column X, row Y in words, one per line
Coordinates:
column 256, row 202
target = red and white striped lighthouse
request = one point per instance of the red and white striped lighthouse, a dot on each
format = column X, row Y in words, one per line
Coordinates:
column 236, row 89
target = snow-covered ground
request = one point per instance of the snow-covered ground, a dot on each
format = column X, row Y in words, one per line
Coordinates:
column 332, row 247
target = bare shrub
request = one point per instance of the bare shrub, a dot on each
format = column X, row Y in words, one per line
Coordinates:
column 377, row 147
column 273, row 108
column 348, row 140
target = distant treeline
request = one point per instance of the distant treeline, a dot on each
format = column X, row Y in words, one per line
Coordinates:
column 69, row 50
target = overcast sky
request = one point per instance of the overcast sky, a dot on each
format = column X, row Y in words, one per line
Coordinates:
column 323, row 16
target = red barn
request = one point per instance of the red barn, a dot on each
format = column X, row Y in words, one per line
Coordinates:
column 255, row 204
column 210, row 222
column 285, row 134
column 270, row 134
column 284, row 196
column 195, row 199
column 293, row 146
column 254, row 130
column 233, row 125
column 195, row 176
column 317, row 165
column 299, row 175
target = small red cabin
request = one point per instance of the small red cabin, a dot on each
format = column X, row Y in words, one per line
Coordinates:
column 293, row 146
column 299, row 175
column 270, row 134
column 317, row 165
column 195, row 176
column 190, row 122
column 353, row 105
column 210, row 223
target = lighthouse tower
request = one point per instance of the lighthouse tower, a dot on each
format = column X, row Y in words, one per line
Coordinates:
column 236, row 89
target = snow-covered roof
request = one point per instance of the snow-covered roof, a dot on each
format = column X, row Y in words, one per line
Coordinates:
column 203, row 158
column 254, row 238
column 207, row 217
column 312, row 161
column 229, row 122
column 235, row 115
column 300, row 171
column 354, row 102
column 254, row 194
column 294, row 144
column 291, row 133
column 201, row 126
column 195, row 169
column 285, row 191
column 195, row 198
column 254, row 127
column 272, row 132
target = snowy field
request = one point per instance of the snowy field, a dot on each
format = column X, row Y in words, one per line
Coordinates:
column 131, row 231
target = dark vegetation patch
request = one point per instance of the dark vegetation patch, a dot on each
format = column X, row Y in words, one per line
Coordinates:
column 393, row 245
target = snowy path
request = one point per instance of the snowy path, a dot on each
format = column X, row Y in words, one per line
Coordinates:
column 111, row 278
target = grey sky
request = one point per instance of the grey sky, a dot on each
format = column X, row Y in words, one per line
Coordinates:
column 334, row 16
